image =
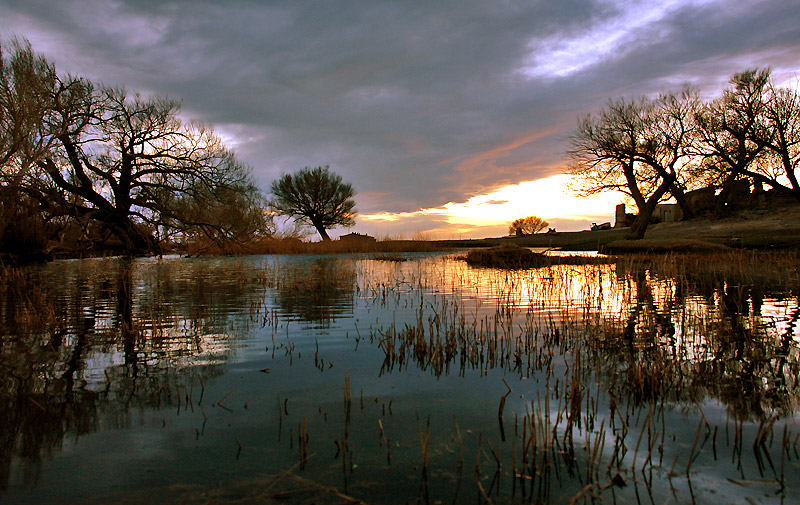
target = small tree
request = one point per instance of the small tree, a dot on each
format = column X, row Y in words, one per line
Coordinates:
column 315, row 196
column 527, row 225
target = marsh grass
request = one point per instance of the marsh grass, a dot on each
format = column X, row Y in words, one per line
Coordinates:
column 515, row 257
column 297, row 246
column 631, row 356
column 639, row 336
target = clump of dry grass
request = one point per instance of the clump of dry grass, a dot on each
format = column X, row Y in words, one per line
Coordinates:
column 505, row 256
column 779, row 269
column 514, row 257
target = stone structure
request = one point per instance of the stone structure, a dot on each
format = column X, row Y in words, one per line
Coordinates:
column 667, row 213
column 623, row 219
column 737, row 196
column 619, row 216
column 357, row 237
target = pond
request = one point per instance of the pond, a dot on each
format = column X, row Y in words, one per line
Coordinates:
column 346, row 379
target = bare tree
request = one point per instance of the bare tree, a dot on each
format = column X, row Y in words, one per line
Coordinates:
column 781, row 138
column 753, row 132
column 667, row 147
column 123, row 161
column 33, row 99
column 315, row 196
column 726, row 128
column 527, row 225
column 637, row 147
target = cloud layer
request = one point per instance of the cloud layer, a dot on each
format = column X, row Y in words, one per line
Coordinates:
column 417, row 103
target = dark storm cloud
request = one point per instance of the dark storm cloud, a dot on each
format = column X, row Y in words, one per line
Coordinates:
column 417, row 103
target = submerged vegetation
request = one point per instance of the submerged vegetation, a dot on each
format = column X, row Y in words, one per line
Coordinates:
column 354, row 378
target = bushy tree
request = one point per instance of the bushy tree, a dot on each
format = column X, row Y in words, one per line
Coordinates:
column 229, row 220
column 315, row 196
column 527, row 225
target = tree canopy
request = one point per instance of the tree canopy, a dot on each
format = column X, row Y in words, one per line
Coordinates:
column 636, row 147
column 753, row 131
column 126, row 165
column 655, row 149
column 315, row 196
column 527, row 225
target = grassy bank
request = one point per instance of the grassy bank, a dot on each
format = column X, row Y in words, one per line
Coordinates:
column 775, row 229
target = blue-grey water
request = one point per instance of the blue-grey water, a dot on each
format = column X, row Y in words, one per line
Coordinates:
column 329, row 379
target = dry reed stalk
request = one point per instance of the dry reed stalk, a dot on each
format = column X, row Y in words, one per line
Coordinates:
column 460, row 446
column 302, row 442
column 494, row 454
column 639, row 440
column 694, row 445
column 423, row 442
column 478, row 457
column 783, row 458
column 202, row 389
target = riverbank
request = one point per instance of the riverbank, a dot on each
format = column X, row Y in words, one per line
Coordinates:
column 754, row 229
column 760, row 229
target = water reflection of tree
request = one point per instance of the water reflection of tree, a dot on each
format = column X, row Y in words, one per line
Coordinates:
column 317, row 291
column 101, row 338
column 695, row 336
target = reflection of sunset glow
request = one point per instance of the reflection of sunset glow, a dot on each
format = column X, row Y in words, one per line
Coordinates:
column 548, row 198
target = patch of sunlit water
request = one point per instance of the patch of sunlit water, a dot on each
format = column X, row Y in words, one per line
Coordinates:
column 229, row 360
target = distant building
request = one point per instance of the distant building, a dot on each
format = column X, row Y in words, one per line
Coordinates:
column 667, row 213
column 356, row 237
column 623, row 219
column 663, row 213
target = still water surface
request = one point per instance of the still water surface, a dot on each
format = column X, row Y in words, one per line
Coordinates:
column 327, row 379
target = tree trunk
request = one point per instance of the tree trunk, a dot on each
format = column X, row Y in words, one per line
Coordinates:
column 680, row 198
column 642, row 221
column 321, row 230
column 134, row 240
column 640, row 224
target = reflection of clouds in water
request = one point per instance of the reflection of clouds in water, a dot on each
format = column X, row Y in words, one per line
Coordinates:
column 101, row 338
column 623, row 320
column 177, row 351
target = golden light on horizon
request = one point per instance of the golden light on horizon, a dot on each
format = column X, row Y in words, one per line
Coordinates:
column 549, row 198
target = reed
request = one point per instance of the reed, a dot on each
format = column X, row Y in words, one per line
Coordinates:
column 424, row 442
column 613, row 347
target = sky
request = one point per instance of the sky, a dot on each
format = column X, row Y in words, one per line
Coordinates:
column 450, row 119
